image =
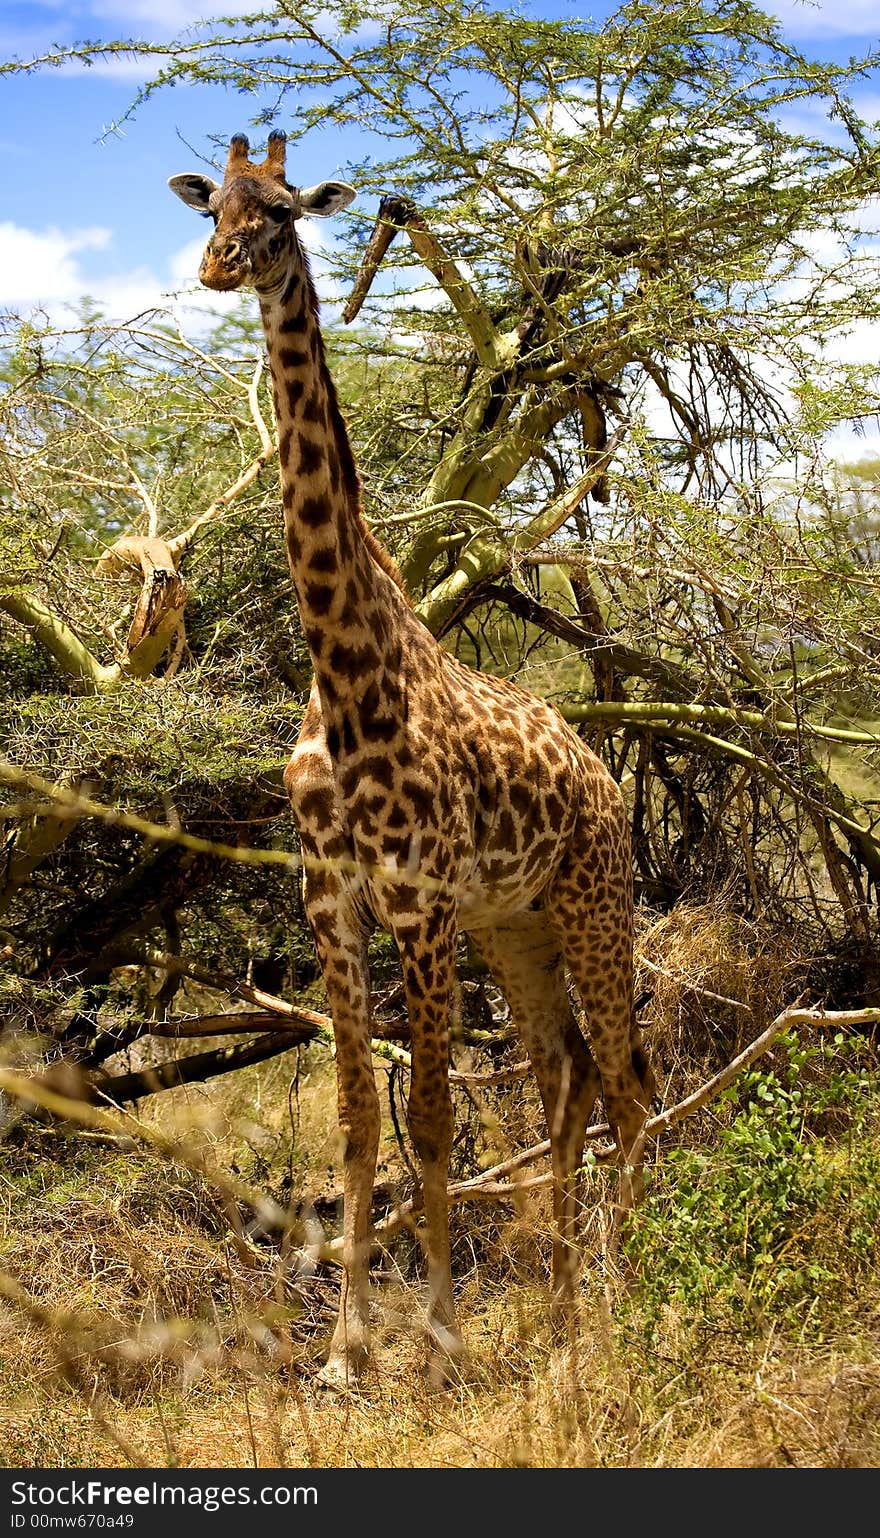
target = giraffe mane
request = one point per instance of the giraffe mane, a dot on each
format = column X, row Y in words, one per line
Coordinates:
column 350, row 477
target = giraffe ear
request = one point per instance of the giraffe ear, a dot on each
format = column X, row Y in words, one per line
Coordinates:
column 326, row 198
column 195, row 190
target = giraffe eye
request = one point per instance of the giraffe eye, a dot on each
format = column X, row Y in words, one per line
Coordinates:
column 280, row 212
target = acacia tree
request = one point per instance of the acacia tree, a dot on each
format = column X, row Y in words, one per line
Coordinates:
column 586, row 390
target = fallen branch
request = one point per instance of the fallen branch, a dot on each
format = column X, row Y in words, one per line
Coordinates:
column 193, row 1069
column 308, row 1024
column 231, row 1023
column 157, row 622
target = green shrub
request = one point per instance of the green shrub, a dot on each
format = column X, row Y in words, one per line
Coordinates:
column 779, row 1218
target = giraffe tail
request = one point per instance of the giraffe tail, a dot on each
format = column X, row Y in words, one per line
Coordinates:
column 642, row 1066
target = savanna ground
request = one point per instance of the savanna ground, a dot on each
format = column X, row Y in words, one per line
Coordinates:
column 160, row 1324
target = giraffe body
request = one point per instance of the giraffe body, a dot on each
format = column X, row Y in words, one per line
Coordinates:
column 430, row 799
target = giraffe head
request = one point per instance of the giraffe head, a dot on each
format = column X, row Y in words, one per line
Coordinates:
column 254, row 211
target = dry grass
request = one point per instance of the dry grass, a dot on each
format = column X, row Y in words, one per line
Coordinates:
column 211, row 1388
column 714, row 984
column 151, row 1330
column 156, row 1344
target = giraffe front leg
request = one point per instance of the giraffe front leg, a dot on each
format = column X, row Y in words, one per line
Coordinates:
column 358, row 1114
column 342, row 953
column 428, row 960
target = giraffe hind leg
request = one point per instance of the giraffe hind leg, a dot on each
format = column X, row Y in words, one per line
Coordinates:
column 590, row 908
column 525, row 958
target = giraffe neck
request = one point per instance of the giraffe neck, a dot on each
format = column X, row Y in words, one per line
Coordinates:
column 347, row 601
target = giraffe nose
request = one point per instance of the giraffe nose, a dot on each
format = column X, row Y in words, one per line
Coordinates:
column 229, row 251
column 226, row 263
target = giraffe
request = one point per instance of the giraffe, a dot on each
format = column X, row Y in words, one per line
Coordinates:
column 430, row 800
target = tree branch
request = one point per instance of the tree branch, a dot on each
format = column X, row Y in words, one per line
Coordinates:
column 396, row 214
column 488, row 553
column 61, row 643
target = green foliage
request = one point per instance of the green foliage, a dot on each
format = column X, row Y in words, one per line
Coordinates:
column 660, row 160
column 144, row 746
column 103, row 423
column 778, row 1220
column 19, row 560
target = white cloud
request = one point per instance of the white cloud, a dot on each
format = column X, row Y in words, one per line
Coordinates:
column 57, row 24
column 155, row 20
column 827, row 18
column 848, row 446
column 159, row 15
column 43, row 267
column 48, row 271
column 136, row 15
column 117, row 66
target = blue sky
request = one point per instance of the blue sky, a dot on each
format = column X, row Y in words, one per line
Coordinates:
column 87, row 213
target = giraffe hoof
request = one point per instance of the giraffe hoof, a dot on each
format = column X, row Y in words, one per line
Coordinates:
column 342, row 1372
column 446, row 1363
column 445, row 1372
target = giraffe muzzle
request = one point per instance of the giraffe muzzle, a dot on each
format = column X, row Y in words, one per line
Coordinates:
column 225, row 265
